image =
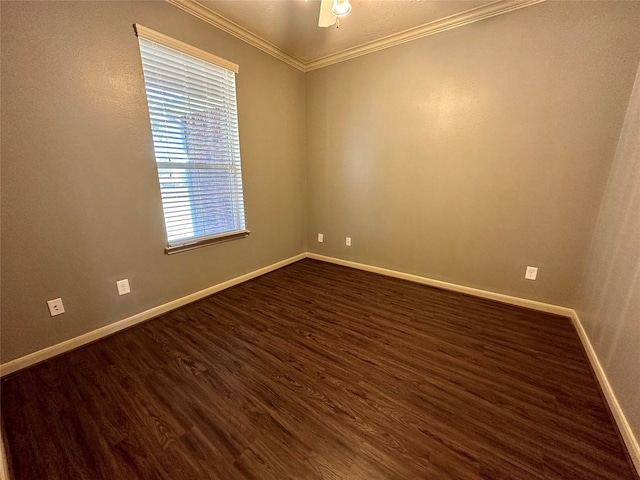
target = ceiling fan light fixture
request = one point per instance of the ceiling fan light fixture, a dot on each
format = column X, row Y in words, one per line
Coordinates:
column 341, row 8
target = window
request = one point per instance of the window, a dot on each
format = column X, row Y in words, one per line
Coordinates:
column 191, row 96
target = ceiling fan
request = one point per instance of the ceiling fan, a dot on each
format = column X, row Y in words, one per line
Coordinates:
column 331, row 11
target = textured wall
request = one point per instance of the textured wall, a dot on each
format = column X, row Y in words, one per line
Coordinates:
column 609, row 301
column 468, row 155
column 80, row 200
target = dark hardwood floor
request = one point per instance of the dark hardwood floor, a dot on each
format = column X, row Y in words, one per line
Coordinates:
column 317, row 371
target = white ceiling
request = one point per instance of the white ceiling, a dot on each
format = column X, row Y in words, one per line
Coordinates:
column 289, row 28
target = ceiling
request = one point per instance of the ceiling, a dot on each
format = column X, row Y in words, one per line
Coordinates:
column 288, row 29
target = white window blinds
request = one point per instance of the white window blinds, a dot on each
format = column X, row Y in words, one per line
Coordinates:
column 194, row 122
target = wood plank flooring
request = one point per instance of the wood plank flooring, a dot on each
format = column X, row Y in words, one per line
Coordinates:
column 317, row 371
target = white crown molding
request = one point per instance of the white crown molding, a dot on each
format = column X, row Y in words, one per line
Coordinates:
column 457, row 20
column 226, row 25
column 447, row 23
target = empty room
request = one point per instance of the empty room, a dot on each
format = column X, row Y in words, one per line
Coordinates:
column 320, row 239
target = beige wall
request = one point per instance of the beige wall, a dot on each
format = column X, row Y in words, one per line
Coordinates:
column 468, row 155
column 464, row 157
column 80, row 200
column 609, row 301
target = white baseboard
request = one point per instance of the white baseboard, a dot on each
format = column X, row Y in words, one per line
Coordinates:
column 4, row 466
column 45, row 353
column 625, row 429
column 520, row 302
column 633, row 446
column 52, row 351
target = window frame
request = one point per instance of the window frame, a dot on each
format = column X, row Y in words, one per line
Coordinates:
column 236, row 193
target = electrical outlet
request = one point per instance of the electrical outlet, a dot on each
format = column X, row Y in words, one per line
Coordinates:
column 320, row 238
column 123, row 287
column 55, row 307
column 348, row 241
column 531, row 273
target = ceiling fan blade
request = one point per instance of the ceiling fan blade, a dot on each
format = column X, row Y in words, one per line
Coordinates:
column 326, row 19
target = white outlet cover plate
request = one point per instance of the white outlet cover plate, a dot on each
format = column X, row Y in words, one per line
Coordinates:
column 123, row 287
column 348, row 241
column 320, row 237
column 55, row 307
column 531, row 273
